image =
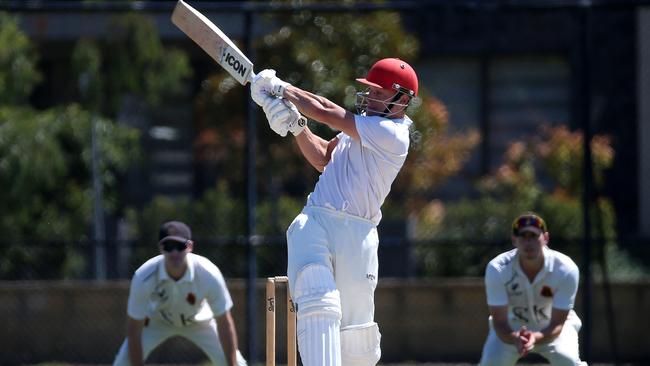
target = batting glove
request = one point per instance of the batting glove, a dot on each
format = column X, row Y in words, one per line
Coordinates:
column 260, row 86
column 277, row 86
column 277, row 114
column 296, row 125
column 283, row 116
column 266, row 81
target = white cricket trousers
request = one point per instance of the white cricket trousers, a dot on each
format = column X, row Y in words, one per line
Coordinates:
column 347, row 245
column 202, row 334
column 562, row 351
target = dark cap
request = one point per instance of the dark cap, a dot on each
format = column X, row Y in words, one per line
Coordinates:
column 529, row 221
column 174, row 230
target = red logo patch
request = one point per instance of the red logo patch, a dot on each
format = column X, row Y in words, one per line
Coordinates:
column 191, row 298
column 546, row 292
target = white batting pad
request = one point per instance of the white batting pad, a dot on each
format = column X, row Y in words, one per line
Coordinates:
column 360, row 345
column 316, row 292
column 319, row 317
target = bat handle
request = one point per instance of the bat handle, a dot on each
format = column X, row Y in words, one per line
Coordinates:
column 250, row 78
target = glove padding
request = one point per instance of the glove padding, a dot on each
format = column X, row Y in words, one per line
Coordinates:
column 295, row 125
column 267, row 82
column 258, row 91
column 283, row 116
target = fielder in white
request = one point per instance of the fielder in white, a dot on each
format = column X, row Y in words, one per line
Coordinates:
column 179, row 293
column 530, row 293
column 332, row 244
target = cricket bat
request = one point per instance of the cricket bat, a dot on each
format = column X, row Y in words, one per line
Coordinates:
column 213, row 41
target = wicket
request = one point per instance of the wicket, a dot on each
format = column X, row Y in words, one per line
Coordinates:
column 270, row 323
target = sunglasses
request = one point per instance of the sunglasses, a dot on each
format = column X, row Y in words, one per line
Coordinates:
column 170, row 246
column 528, row 220
column 527, row 235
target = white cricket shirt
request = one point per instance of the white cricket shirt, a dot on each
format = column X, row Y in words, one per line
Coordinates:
column 197, row 296
column 530, row 304
column 358, row 177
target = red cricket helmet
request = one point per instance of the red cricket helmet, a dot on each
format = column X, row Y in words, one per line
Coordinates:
column 392, row 73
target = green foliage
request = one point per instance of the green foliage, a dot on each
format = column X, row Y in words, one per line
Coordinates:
column 138, row 63
column 217, row 214
column 515, row 188
column 132, row 61
column 436, row 154
column 274, row 217
column 215, row 218
column 86, row 65
column 45, row 162
column 18, row 74
column 562, row 156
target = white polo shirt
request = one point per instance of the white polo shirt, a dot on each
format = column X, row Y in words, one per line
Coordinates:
column 199, row 295
column 358, row 177
column 530, row 304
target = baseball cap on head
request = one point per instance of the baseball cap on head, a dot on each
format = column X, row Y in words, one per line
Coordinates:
column 174, row 231
column 528, row 222
column 392, row 73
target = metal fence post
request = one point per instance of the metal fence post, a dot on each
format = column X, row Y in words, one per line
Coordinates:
column 251, row 201
column 585, row 113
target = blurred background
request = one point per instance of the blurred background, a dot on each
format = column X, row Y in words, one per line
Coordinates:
column 112, row 121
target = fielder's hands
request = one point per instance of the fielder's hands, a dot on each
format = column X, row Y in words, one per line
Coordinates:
column 282, row 115
column 525, row 341
column 267, row 82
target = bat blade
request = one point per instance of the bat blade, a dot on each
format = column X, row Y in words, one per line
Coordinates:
column 213, row 41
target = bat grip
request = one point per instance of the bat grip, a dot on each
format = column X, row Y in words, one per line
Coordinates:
column 250, row 78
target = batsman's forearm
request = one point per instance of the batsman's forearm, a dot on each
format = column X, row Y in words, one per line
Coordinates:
column 313, row 148
column 311, row 105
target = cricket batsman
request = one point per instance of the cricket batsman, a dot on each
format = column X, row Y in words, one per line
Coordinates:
column 332, row 243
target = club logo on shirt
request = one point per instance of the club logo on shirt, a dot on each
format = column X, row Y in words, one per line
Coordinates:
column 521, row 313
column 161, row 292
column 191, row 299
column 512, row 285
column 546, row 292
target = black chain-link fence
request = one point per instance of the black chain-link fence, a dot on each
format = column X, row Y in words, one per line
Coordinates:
column 398, row 257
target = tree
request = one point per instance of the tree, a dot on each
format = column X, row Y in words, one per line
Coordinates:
column 45, row 168
column 130, row 62
column 18, row 74
column 515, row 187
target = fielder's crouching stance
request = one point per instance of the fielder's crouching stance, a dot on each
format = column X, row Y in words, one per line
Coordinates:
column 179, row 293
column 530, row 294
column 332, row 244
